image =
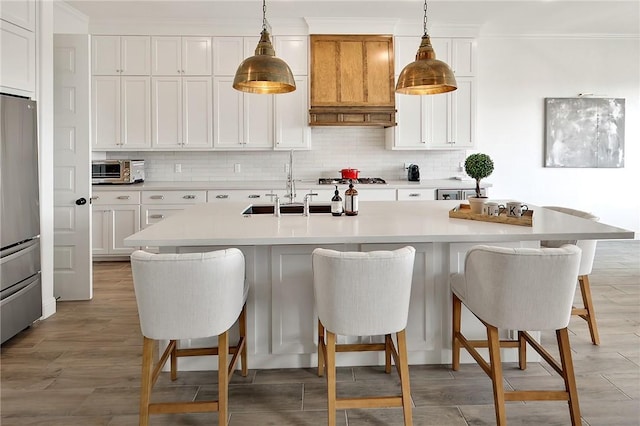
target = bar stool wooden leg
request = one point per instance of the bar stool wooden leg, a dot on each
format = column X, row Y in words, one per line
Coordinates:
column 455, row 344
column 321, row 349
column 590, row 317
column 568, row 375
column 223, row 378
column 388, row 344
column 496, row 374
column 174, row 359
column 404, row 377
column 147, row 380
column 522, row 351
column 331, row 378
column 242, row 324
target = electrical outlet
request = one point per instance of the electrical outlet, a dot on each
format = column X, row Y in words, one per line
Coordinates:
column 177, row 168
column 236, row 168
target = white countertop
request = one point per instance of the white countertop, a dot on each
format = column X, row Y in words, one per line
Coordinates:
column 215, row 224
column 281, row 184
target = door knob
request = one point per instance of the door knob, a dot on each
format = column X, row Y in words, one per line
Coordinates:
column 81, row 201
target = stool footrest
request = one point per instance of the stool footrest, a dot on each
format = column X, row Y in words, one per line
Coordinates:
column 360, row 347
column 183, row 407
column 379, row 401
column 536, row 395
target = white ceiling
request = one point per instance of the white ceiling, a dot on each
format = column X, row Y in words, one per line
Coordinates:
column 617, row 17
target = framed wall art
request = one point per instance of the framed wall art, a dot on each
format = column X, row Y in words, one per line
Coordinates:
column 584, row 132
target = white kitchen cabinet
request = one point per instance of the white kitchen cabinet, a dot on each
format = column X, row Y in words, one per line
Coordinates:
column 19, row 12
column 294, row 51
column 18, row 59
column 292, row 129
column 242, row 121
column 229, row 53
column 443, row 121
column 121, row 55
column 176, row 56
column 182, row 112
column 418, row 194
column 121, row 113
column 115, row 216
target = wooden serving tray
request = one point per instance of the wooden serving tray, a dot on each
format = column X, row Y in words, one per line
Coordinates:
column 463, row 211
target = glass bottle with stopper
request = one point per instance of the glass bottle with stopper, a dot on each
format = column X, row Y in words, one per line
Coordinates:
column 336, row 203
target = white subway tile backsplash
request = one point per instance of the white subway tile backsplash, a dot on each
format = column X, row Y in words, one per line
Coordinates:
column 333, row 148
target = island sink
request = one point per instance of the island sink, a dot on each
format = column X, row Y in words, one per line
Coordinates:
column 286, row 209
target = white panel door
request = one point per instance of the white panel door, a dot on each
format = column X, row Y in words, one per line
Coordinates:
column 167, row 112
column 197, row 112
column 136, row 112
column 72, row 157
column 291, row 117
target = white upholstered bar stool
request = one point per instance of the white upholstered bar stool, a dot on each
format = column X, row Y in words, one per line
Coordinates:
column 363, row 294
column 588, row 247
column 189, row 296
column 518, row 289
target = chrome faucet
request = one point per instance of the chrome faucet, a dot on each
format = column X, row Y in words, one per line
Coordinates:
column 307, row 199
column 291, row 184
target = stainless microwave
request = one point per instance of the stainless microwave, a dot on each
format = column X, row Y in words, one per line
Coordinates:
column 117, row 171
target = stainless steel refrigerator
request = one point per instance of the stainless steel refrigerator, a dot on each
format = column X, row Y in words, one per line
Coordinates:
column 20, row 289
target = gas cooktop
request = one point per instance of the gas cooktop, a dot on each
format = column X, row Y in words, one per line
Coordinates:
column 340, row 181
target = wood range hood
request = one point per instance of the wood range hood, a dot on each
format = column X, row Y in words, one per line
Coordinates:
column 352, row 80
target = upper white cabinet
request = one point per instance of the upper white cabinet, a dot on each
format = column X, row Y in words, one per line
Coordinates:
column 19, row 12
column 182, row 112
column 181, row 56
column 121, row 55
column 18, row 61
column 443, row 121
column 121, row 112
column 229, row 52
column 294, row 51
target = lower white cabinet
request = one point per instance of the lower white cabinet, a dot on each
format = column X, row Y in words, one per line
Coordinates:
column 115, row 216
column 249, row 195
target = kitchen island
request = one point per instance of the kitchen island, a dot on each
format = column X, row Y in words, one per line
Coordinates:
column 281, row 315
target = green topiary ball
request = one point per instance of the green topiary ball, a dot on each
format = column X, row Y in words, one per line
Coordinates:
column 478, row 166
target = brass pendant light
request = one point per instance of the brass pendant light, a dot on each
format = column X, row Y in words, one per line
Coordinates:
column 426, row 75
column 263, row 73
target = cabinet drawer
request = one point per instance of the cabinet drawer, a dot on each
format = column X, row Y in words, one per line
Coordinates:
column 253, row 196
column 101, row 198
column 173, row 197
column 154, row 214
column 416, row 194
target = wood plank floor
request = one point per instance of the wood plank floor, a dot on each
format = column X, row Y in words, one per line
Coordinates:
column 82, row 367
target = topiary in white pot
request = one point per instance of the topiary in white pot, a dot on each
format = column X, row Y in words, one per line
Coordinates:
column 478, row 166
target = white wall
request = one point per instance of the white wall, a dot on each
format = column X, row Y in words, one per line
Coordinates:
column 516, row 74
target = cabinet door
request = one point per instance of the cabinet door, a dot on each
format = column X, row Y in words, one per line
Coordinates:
column 416, row 194
column 105, row 55
column 18, row 62
column 167, row 112
column 258, row 121
column 294, row 51
column 228, row 114
column 166, row 56
column 136, row 112
column 248, row 195
column 436, row 120
column 135, row 55
column 408, row 133
column 100, row 228
column 291, row 117
column 229, row 53
column 197, row 112
column 463, row 54
column 464, row 113
column 105, row 98
column 125, row 222
column 196, row 55
column 375, row 194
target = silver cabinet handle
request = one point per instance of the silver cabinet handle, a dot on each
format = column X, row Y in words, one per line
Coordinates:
column 189, row 197
column 222, row 196
column 156, row 216
column 157, row 197
column 124, row 197
column 413, row 194
column 94, row 198
column 254, row 196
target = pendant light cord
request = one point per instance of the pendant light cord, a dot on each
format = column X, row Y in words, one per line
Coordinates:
column 425, row 18
column 264, row 15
